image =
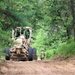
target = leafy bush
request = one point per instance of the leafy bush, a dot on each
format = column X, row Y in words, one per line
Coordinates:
column 49, row 54
column 5, row 41
column 67, row 49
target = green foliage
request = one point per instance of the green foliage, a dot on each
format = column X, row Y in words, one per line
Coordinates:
column 51, row 21
column 39, row 41
column 67, row 49
column 5, row 41
column 49, row 54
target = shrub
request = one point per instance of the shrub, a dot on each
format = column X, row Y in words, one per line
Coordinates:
column 67, row 49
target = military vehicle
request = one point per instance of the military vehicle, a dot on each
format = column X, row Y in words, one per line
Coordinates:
column 21, row 49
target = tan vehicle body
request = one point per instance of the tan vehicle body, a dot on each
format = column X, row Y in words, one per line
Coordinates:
column 19, row 50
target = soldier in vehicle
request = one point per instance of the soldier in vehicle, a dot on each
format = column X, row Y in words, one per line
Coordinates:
column 27, row 33
column 27, row 36
column 17, row 33
column 42, row 55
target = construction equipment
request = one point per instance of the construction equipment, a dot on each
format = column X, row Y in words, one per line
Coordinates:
column 21, row 49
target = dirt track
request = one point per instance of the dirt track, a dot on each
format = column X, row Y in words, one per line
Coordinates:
column 38, row 68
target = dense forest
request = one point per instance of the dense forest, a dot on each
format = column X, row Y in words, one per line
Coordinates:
column 52, row 22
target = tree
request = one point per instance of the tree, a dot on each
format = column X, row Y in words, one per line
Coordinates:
column 73, row 15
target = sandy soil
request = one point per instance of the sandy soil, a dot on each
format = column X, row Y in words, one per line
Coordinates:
column 38, row 68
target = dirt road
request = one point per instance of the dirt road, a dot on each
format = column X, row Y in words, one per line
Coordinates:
column 38, row 68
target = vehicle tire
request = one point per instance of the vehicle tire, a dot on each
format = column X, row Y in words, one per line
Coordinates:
column 34, row 54
column 30, row 56
column 34, row 51
column 7, row 57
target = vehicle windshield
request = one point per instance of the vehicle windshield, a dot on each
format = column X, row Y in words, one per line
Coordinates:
column 23, row 31
column 27, row 33
column 17, row 33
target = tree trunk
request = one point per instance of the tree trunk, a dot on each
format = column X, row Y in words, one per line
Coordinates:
column 68, row 32
column 73, row 15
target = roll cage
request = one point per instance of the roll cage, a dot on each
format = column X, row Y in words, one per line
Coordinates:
column 18, row 31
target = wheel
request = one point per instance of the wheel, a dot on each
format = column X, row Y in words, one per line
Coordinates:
column 34, row 54
column 34, row 51
column 7, row 57
column 30, row 56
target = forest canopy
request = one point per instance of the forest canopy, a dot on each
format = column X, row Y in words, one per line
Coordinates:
column 52, row 22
